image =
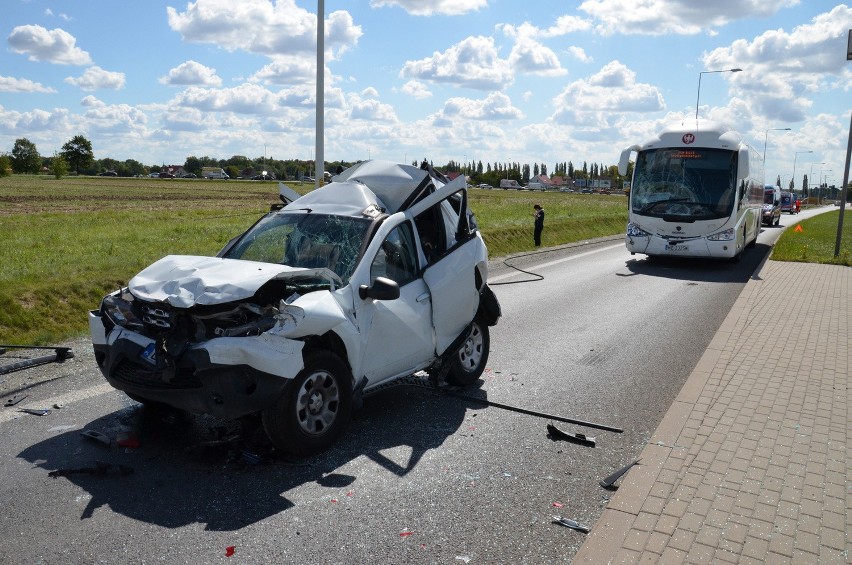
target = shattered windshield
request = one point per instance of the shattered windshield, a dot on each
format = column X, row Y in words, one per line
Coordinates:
column 303, row 239
column 696, row 184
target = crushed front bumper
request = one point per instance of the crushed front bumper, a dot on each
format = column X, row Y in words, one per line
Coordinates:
column 228, row 377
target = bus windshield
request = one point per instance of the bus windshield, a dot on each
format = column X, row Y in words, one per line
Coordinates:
column 686, row 184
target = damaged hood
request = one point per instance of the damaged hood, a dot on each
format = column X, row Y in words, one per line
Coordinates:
column 187, row 280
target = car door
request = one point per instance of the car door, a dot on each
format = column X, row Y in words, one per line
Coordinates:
column 397, row 336
column 450, row 274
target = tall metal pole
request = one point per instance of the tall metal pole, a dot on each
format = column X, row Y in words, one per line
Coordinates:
column 793, row 182
column 319, row 160
column 765, row 139
column 698, row 97
column 845, row 188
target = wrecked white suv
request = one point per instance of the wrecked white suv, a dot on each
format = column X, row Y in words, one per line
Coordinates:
column 369, row 279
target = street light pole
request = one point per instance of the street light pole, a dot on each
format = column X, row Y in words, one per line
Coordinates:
column 698, row 97
column 765, row 139
column 811, row 177
column 796, row 156
column 826, row 182
column 320, row 95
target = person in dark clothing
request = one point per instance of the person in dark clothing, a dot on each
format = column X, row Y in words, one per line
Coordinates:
column 538, row 214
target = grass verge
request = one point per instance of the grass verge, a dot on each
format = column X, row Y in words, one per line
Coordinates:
column 813, row 240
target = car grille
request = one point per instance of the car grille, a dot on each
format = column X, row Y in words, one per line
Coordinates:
column 138, row 377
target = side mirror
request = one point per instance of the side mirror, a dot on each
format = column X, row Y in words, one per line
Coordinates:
column 743, row 163
column 382, row 289
column 624, row 161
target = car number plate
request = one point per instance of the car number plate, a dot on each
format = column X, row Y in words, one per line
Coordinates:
column 149, row 354
column 677, row 248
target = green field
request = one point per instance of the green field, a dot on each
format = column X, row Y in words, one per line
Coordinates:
column 67, row 242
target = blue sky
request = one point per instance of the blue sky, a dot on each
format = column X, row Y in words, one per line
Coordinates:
column 466, row 80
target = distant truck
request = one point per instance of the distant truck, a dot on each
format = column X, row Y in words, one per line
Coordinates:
column 506, row 184
column 214, row 173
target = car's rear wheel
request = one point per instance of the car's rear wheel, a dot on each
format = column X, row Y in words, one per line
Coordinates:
column 314, row 410
column 468, row 363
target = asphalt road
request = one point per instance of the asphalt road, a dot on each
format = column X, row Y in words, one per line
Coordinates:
column 595, row 335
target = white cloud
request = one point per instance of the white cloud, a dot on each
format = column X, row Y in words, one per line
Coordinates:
column 531, row 57
column 366, row 107
column 287, row 70
column 192, row 73
column 12, row 84
column 44, row 125
column 92, row 102
column 416, row 90
column 564, row 25
column 782, row 71
column 580, row 54
column 53, row 46
column 494, row 107
column 474, row 62
column 433, row 7
column 260, row 26
column 684, row 17
column 593, row 101
column 118, row 119
column 49, row 12
column 95, row 78
column 244, row 99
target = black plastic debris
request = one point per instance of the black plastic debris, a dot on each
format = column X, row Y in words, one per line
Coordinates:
column 101, row 469
column 60, row 354
column 574, row 525
column 610, row 480
column 555, row 434
column 96, row 436
column 35, row 411
column 16, row 398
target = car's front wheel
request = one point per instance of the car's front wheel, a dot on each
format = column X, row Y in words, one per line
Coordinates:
column 314, row 410
column 468, row 363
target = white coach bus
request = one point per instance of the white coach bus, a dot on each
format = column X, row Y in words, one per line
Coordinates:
column 696, row 191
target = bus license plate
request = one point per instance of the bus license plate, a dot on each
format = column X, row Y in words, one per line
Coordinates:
column 677, row 248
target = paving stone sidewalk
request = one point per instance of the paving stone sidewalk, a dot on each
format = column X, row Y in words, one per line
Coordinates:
column 750, row 463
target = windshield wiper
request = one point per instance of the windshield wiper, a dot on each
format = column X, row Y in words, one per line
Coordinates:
column 651, row 205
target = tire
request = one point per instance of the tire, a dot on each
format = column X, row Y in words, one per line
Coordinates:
column 468, row 363
column 314, row 410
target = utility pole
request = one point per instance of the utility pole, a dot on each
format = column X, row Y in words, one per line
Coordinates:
column 845, row 188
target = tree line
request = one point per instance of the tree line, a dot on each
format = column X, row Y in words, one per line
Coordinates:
column 78, row 158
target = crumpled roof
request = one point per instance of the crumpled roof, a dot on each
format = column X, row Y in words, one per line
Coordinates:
column 391, row 182
column 384, row 184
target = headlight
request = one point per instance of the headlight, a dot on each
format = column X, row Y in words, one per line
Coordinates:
column 633, row 230
column 726, row 235
column 120, row 310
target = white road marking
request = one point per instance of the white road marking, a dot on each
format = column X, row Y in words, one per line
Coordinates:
column 556, row 262
column 10, row 413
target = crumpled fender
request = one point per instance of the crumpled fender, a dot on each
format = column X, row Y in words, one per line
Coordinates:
column 278, row 351
column 268, row 353
column 312, row 314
